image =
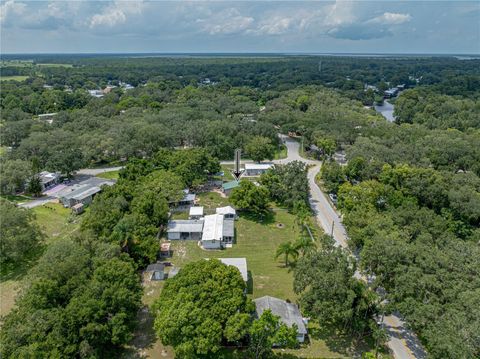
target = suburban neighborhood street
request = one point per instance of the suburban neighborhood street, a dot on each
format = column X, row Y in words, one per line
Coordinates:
column 402, row 342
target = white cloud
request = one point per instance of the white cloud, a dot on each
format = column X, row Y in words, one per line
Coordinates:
column 390, row 18
column 228, row 21
column 11, row 8
column 276, row 25
column 116, row 13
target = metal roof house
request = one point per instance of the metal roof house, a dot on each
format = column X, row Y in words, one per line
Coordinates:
column 185, row 229
column 185, row 203
column 82, row 194
column 256, row 169
column 48, row 179
column 239, row 263
column 228, row 212
column 217, row 231
column 288, row 313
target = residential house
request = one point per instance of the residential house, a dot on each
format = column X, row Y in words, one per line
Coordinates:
column 185, row 229
column 81, row 194
column 228, row 212
column 228, row 187
column 96, row 93
column 217, row 232
column 185, row 203
column 288, row 313
column 48, row 179
column 256, row 169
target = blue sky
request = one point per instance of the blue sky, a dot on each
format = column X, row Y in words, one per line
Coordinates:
column 235, row 26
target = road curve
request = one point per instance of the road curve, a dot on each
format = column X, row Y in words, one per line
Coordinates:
column 402, row 342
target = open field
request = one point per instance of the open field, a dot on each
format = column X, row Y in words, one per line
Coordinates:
column 13, row 78
column 56, row 222
column 54, row 65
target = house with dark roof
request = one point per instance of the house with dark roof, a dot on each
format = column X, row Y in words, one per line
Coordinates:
column 288, row 313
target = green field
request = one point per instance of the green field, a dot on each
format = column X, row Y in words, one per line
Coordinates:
column 54, row 65
column 109, row 175
column 13, row 78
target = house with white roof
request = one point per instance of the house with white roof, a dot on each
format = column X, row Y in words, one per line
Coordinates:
column 195, row 212
column 217, row 232
column 228, row 212
column 256, row 169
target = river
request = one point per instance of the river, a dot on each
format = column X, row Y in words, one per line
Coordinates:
column 386, row 110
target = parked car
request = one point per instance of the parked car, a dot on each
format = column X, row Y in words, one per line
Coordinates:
column 333, row 198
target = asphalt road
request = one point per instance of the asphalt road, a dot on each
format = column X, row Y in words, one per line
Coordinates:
column 402, row 342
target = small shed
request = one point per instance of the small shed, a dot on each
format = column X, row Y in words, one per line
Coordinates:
column 78, row 208
column 156, row 270
column 165, row 249
column 195, row 212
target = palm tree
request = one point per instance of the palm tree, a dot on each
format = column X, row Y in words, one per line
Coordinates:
column 288, row 249
column 305, row 245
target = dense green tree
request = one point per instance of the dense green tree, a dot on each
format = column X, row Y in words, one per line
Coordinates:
column 251, row 198
column 260, row 148
column 14, row 175
column 19, row 233
column 194, row 308
column 268, row 331
column 287, row 184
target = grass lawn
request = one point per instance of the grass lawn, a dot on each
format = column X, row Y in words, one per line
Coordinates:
column 56, row 222
column 109, row 175
column 281, row 153
column 55, row 65
column 16, row 199
column 13, row 78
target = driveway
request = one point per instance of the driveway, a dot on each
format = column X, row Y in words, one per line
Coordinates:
column 37, row 202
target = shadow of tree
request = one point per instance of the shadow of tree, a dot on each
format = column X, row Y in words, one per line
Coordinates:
column 18, row 270
column 339, row 342
column 144, row 334
column 266, row 219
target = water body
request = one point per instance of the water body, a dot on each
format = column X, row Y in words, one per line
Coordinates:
column 386, row 110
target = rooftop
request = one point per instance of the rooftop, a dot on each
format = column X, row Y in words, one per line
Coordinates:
column 288, row 312
column 225, row 210
column 213, row 227
column 155, row 267
column 258, row 166
column 239, row 263
column 185, row 225
column 196, row 211
column 230, row 185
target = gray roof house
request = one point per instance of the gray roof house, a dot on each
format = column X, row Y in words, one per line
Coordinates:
column 185, row 229
column 288, row 313
column 157, row 270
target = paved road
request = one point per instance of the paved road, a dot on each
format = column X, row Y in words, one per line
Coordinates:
column 37, row 202
column 402, row 342
column 97, row 171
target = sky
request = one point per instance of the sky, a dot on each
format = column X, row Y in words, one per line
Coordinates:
column 402, row 26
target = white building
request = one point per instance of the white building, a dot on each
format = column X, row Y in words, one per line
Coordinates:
column 256, row 169
column 217, row 231
column 195, row 212
column 185, row 229
column 228, row 212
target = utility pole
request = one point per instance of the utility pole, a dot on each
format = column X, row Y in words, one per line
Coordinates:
column 333, row 225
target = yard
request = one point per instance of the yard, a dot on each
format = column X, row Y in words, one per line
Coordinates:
column 13, row 78
column 256, row 240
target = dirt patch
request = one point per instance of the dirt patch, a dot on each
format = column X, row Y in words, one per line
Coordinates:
column 280, row 225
